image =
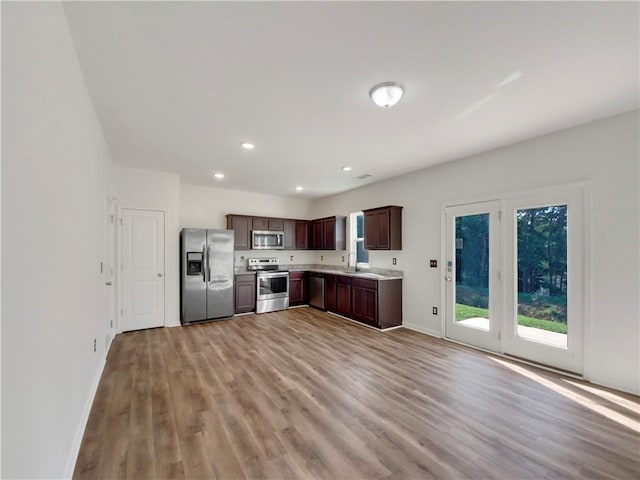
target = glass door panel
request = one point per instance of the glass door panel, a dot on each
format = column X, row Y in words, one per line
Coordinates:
column 542, row 275
column 472, row 287
column 472, row 271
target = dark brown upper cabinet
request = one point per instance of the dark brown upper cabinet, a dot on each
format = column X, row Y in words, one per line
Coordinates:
column 383, row 228
column 289, row 234
column 276, row 224
column 303, row 237
column 260, row 223
column 329, row 233
column 242, row 227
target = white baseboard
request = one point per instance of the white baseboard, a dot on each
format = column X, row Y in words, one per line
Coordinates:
column 421, row 329
column 604, row 383
column 82, row 425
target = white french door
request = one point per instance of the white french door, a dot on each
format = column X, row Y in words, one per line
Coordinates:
column 544, row 299
column 472, row 274
column 142, row 267
column 515, row 276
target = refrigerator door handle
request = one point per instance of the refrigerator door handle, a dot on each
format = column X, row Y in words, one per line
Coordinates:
column 208, row 260
column 204, row 266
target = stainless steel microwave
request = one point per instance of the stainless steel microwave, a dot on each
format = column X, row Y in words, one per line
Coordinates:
column 267, row 240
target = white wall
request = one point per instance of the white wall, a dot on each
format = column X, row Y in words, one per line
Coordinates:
column 54, row 182
column 150, row 190
column 206, row 207
column 604, row 153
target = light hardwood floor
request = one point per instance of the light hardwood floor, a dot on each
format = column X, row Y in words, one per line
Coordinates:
column 302, row 394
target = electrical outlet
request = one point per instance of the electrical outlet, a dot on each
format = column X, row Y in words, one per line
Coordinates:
column 394, row 260
column 433, row 263
column 322, row 258
column 94, row 345
column 434, row 310
column 291, row 258
column 111, row 323
column 242, row 259
column 342, row 258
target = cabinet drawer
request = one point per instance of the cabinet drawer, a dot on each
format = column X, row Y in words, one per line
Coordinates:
column 296, row 274
column 364, row 283
column 343, row 280
column 329, row 278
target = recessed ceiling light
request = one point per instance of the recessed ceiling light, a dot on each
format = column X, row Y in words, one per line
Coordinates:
column 248, row 146
column 218, row 175
column 386, row 94
column 299, row 189
column 346, row 169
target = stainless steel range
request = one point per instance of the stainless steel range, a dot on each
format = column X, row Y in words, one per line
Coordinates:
column 272, row 292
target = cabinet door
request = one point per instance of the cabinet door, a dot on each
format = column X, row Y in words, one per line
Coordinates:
column 329, row 233
column 364, row 305
column 370, row 230
column 343, row 299
column 330, row 294
column 382, row 229
column 295, row 290
column 290, row 234
column 298, row 291
column 260, row 224
column 302, row 235
column 242, row 228
column 276, row 224
column 245, row 290
column 318, row 235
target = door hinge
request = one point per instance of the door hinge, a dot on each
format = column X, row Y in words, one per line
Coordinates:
column 111, row 218
column 499, row 275
column 120, row 221
column 499, row 214
column 121, row 312
column 499, row 335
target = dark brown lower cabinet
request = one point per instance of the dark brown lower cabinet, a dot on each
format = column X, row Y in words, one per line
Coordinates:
column 364, row 305
column 330, row 299
column 245, row 292
column 343, row 295
column 298, row 290
column 375, row 302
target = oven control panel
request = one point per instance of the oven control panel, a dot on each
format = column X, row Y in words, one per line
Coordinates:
column 262, row 264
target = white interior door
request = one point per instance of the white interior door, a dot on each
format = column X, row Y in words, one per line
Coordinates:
column 473, row 311
column 142, row 264
column 544, row 303
column 108, row 269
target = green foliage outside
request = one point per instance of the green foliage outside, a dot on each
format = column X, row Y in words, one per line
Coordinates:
column 465, row 311
column 542, row 263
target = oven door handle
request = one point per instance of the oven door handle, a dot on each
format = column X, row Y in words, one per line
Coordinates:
column 273, row 275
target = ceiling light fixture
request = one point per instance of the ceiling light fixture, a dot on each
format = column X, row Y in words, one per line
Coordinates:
column 218, row 175
column 346, row 169
column 299, row 189
column 248, row 146
column 386, row 94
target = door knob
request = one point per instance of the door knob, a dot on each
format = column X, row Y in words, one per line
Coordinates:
column 108, row 284
column 448, row 279
column 159, row 274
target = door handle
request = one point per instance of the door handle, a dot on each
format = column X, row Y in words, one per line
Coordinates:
column 108, row 284
column 448, row 279
column 159, row 274
column 204, row 263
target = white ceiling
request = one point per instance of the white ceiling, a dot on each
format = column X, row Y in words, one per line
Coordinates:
column 179, row 85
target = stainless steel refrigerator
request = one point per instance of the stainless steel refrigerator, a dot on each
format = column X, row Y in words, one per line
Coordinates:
column 206, row 280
